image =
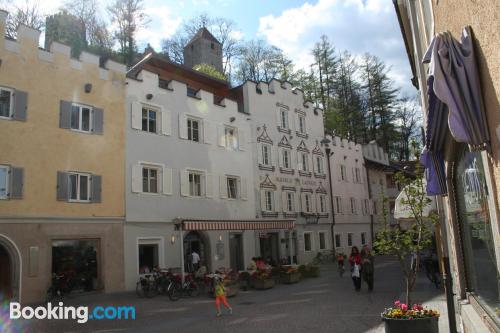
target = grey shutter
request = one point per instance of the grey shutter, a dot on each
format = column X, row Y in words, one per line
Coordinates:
column 62, row 186
column 98, row 120
column 20, row 105
column 16, row 183
column 96, row 188
column 65, row 114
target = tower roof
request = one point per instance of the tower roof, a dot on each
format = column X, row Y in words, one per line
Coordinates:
column 205, row 34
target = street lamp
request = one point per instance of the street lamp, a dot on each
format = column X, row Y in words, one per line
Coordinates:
column 326, row 143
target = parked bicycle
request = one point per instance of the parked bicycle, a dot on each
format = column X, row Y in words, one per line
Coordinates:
column 176, row 289
column 147, row 285
column 63, row 284
column 340, row 264
column 323, row 258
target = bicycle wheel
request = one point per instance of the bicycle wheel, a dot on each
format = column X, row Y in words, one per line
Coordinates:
column 193, row 290
column 173, row 291
column 150, row 289
column 138, row 289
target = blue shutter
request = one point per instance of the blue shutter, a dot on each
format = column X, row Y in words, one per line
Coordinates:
column 65, row 114
column 20, row 105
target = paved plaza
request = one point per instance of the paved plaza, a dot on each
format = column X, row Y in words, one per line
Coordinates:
column 325, row 304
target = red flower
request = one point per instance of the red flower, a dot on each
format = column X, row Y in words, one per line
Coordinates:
column 404, row 307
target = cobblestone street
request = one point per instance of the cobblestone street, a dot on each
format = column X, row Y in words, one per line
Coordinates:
column 325, row 304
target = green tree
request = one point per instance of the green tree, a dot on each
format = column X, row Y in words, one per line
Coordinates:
column 27, row 13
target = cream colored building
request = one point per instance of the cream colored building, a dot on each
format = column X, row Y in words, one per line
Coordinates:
column 61, row 167
column 470, row 209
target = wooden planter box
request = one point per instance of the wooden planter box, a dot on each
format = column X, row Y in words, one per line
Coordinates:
column 428, row 325
column 263, row 284
column 290, row 278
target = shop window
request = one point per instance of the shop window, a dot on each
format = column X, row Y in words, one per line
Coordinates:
column 338, row 240
column 477, row 236
column 349, row 239
column 322, row 240
column 307, row 241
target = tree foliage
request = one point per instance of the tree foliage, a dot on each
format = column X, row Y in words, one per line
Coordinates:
column 28, row 14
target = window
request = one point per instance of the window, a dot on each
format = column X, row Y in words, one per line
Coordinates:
column 322, row 203
column 81, row 118
column 349, row 239
column 290, row 202
column 6, row 103
column 307, row 241
column 357, row 173
column 150, row 180
column 307, row 203
column 366, row 207
column 391, row 183
column 230, row 138
column 285, row 155
column 304, row 162
column 148, row 255
column 268, row 201
column 4, row 181
column 338, row 240
column 375, row 207
column 232, row 188
column 322, row 240
column 212, row 46
column 302, row 124
column 195, row 188
column 266, row 154
column 353, row 206
column 193, row 128
column 363, row 238
column 79, row 187
column 343, row 173
column 284, row 118
column 319, row 165
column 338, row 205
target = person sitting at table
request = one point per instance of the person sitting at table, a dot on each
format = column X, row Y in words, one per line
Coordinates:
column 202, row 270
column 270, row 261
column 261, row 265
column 252, row 267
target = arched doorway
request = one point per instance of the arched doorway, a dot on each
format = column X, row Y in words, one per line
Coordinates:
column 198, row 242
column 10, row 269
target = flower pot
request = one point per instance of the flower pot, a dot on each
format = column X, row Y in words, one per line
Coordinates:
column 290, row 277
column 428, row 325
column 263, row 284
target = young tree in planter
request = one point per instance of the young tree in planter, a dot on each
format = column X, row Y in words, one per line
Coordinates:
column 406, row 239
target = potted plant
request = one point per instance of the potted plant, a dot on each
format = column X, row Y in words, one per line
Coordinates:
column 415, row 319
column 289, row 274
column 262, row 280
column 405, row 239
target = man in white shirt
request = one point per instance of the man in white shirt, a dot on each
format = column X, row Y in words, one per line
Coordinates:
column 195, row 258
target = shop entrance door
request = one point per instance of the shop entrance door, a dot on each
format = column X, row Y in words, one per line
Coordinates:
column 269, row 247
column 236, row 251
column 194, row 241
column 5, row 274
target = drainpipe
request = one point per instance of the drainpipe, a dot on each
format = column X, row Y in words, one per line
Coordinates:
column 332, row 226
column 371, row 204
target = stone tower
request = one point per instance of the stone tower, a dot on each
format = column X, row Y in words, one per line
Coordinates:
column 203, row 48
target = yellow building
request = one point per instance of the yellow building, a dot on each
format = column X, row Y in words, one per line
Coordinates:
column 61, row 168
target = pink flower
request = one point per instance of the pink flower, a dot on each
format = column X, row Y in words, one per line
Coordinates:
column 417, row 307
column 403, row 307
column 397, row 303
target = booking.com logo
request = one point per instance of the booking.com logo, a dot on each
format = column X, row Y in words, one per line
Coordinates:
column 81, row 314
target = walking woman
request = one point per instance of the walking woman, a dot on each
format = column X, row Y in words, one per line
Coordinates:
column 355, row 261
column 367, row 267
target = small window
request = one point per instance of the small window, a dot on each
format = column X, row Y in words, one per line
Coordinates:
column 363, row 238
column 195, row 188
column 193, row 127
column 375, row 207
column 284, row 118
column 6, row 103
column 268, row 200
column 302, row 124
column 286, row 159
column 149, row 120
column 338, row 205
column 322, row 203
column 307, row 202
column 266, row 155
column 232, row 188
column 358, row 175
column 150, row 180
column 290, row 202
column 349, row 239
column 79, row 187
column 343, row 172
column 148, row 257
column 319, row 165
column 212, row 46
column 322, row 241
column 81, row 118
column 4, row 181
column 353, row 206
column 230, row 138
column 338, row 240
column 307, row 241
column 304, row 159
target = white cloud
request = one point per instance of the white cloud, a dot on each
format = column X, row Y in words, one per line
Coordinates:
column 237, row 34
column 163, row 24
column 358, row 26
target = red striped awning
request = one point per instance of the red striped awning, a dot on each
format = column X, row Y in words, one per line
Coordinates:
column 237, row 224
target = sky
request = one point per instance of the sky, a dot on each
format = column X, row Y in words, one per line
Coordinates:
column 359, row 26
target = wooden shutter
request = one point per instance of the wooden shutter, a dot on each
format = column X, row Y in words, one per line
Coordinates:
column 276, row 201
column 299, row 161
column 136, row 115
column 284, row 201
column 208, row 132
column 310, row 161
column 136, row 178
column 98, row 120
column 303, row 202
column 318, row 203
column 241, row 139
column 209, row 185
column 20, row 105
column 183, row 130
column 293, row 159
column 96, row 188
column 16, row 183
column 167, row 181
column 223, row 187
column 278, row 117
column 166, row 122
column 313, row 203
column 184, row 178
column 280, row 157
column 243, row 189
column 221, row 136
column 65, row 114
column 62, row 186
column 263, row 200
